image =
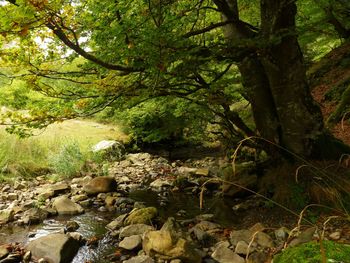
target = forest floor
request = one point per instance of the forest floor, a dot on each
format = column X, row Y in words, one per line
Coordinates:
column 331, row 75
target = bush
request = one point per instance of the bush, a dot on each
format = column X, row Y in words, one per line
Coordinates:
column 311, row 253
column 68, row 161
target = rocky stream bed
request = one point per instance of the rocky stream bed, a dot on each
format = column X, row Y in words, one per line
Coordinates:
column 146, row 209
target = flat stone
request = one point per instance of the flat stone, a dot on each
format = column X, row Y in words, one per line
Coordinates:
column 54, row 248
column 137, row 229
column 223, row 254
column 139, row 259
column 131, row 242
column 141, row 216
column 117, row 223
column 242, row 248
column 65, row 206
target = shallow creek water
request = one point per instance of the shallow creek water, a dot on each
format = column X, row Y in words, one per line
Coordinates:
column 92, row 223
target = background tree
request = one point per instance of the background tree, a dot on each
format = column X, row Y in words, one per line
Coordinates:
column 132, row 52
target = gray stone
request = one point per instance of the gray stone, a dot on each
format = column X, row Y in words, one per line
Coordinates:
column 222, row 254
column 117, row 223
column 335, row 235
column 260, row 238
column 139, row 259
column 54, row 248
column 158, row 184
column 131, row 242
column 65, row 206
column 242, row 248
column 79, row 198
column 137, row 229
column 303, row 237
column 101, row 184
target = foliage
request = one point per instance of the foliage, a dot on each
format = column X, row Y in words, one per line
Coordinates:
column 166, row 119
column 311, row 253
column 68, row 161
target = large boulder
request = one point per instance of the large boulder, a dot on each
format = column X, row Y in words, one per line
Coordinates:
column 169, row 243
column 110, row 149
column 54, row 248
column 34, row 216
column 141, row 216
column 65, row 206
column 101, row 184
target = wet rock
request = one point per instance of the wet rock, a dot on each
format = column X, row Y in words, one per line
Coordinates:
column 77, row 236
column 139, row 259
column 131, row 242
column 54, row 248
column 137, row 229
column 27, row 256
column 6, row 216
column 141, row 216
column 117, row 223
column 65, row 206
column 101, row 184
column 281, row 234
column 34, row 216
column 71, row 226
column 110, row 200
column 223, row 254
column 169, row 243
column 59, row 188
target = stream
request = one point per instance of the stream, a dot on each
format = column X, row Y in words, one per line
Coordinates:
column 92, row 223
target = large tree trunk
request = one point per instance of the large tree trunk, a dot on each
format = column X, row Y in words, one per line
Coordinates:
column 275, row 80
column 300, row 118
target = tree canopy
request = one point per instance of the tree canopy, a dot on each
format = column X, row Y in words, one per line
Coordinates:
column 64, row 59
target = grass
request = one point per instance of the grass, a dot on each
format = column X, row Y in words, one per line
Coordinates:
column 311, row 253
column 33, row 156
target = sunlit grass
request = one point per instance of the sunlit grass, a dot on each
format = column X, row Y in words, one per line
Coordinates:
column 31, row 156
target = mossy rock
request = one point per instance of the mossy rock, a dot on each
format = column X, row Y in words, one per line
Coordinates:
column 311, row 253
column 141, row 216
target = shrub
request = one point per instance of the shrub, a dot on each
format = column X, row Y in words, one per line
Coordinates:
column 68, row 161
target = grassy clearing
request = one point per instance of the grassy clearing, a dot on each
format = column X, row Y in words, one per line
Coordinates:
column 37, row 155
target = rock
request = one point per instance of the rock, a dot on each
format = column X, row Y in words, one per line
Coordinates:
column 101, row 184
column 335, row 235
column 202, row 172
column 12, row 196
column 117, row 223
column 65, row 206
column 6, row 216
column 141, row 216
column 27, row 256
column 77, row 236
column 4, row 251
column 222, row 254
column 54, row 248
column 169, row 243
column 110, row 200
column 258, row 257
column 139, row 259
column 260, row 238
column 131, row 242
column 111, row 149
column 34, row 216
column 71, row 226
column 281, row 234
column 79, row 198
column 59, row 188
column 242, row 248
column 303, row 237
column 159, row 184
column 137, row 229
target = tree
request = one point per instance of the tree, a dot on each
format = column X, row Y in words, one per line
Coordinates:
column 136, row 51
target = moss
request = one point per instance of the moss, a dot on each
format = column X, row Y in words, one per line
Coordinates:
column 311, row 253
